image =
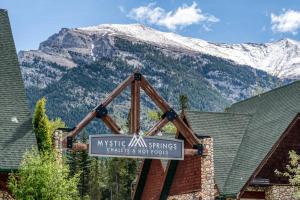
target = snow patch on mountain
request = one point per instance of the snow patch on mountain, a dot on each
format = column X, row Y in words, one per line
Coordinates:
column 280, row 58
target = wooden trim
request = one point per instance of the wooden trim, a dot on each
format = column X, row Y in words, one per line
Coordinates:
column 254, row 195
column 190, row 152
column 267, row 157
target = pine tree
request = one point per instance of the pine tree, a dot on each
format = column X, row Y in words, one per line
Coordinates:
column 79, row 163
column 121, row 174
column 183, row 100
column 84, row 163
column 98, row 188
column 41, row 126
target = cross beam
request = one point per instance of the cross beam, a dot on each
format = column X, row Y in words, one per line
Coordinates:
column 136, row 81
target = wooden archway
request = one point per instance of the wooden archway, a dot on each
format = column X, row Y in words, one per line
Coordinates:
column 136, row 81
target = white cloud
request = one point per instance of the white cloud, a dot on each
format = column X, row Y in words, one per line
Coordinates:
column 288, row 21
column 183, row 16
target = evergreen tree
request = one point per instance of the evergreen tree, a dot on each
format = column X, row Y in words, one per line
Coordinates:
column 79, row 162
column 155, row 116
column 84, row 163
column 55, row 124
column 41, row 126
column 98, row 188
column 183, row 101
column 121, row 173
column 120, row 178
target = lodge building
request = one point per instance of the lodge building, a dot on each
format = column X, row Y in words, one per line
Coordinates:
column 246, row 144
column 15, row 120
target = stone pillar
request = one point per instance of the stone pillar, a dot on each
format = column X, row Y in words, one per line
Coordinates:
column 207, row 171
column 280, row 192
column 57, row 141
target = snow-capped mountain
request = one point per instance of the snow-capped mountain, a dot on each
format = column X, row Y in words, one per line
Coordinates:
column 280, row 58
column 76, row 68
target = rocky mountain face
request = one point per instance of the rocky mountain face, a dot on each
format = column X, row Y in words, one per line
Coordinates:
column 76, row 68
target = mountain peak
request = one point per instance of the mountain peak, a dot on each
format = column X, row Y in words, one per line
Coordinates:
column 116, row 27
column 279, row 58
column 287, row 41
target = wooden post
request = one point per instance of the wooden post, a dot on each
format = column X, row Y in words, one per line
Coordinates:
column 135, row 105
column 137, row 81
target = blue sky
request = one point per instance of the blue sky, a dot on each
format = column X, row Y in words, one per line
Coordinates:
column 228, row 21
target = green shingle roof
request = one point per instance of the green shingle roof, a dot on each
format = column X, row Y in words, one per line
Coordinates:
column 227, row 130
column 255, row 128
column 272, row 113
column 15, row 122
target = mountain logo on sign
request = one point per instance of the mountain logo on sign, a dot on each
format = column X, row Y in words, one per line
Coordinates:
column 137, row 140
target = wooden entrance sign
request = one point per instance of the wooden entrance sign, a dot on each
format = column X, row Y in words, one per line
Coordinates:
column 136, row 146
column 137, row 81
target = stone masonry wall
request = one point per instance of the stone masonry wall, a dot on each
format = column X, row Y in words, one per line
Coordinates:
column 207, row 171
column 189, row 196
column 280, row 192
column 57, row 141
column 5, row 196
column 207, row 184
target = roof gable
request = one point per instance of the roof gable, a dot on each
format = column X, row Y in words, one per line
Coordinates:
column 246, row 132
column 15, row 122
column 227, row 130
column 272, row 113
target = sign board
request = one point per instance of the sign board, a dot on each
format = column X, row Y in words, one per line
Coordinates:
column 135, row 146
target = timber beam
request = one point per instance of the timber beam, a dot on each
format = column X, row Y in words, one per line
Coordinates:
column 111, row 124
column 117, row 90
column 156, row 98
column 135, row 104
column 136, row 81
column 89, row 117
column 157, row 127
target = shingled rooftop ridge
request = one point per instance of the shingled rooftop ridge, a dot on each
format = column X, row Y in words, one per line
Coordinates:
column 245, row 133
column 15, row 120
